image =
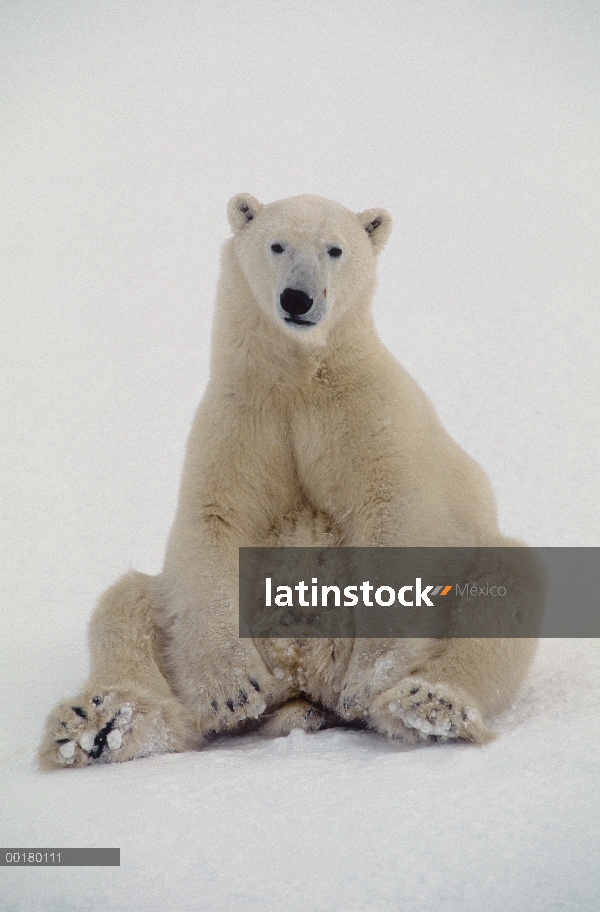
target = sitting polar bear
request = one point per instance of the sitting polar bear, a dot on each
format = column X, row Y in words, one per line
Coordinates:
column 309, row 434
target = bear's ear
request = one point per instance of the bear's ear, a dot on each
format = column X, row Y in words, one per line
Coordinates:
column 378, row 225
column 241, row 209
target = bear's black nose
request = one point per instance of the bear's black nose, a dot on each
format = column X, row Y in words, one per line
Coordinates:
column 295, row 302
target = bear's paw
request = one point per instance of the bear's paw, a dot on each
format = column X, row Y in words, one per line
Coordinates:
column 415, row 710
column 112, row 724
column 237, row 698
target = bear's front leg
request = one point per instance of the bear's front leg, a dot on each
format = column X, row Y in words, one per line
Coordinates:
column 238, row 481
column 221, row 678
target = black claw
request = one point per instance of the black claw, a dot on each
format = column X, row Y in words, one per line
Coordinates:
column 214, row 705
column 242, row 698
column 79, row 712
column 61, row 740
column 229, row 703
column 100, row 739
column 255, row 684
column 310, row 713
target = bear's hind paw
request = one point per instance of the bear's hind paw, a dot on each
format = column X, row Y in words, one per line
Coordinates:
column 110, row 725
column 417, row 710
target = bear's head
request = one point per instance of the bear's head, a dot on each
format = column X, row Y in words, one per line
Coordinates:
column 307, row 261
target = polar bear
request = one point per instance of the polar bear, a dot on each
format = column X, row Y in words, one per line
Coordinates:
column 309, row 434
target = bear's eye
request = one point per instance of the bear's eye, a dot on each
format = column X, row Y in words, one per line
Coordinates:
column 277, row 248
column 334, row 252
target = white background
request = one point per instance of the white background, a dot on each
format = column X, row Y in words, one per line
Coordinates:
column 125, row 127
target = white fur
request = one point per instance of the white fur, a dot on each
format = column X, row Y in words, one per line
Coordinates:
column 310, row 433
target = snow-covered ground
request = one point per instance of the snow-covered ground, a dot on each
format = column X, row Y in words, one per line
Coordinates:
column 125, row 128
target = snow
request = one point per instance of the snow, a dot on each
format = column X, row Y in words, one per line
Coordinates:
column 125, row 128
column 87, row 742
column 125, row 714
column 114, row 739
column 68, row 749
